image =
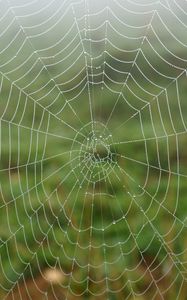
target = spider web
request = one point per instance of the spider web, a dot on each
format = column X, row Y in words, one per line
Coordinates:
column 93, row 137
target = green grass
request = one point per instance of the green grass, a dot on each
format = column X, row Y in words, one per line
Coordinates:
column 36, row 207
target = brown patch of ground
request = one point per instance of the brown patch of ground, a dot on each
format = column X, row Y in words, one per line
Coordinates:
column 40, row 288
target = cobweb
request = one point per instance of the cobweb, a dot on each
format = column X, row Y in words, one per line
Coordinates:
column 93, row 149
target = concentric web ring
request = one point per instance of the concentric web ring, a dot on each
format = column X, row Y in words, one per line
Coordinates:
column 93, row 159
column 93, row 137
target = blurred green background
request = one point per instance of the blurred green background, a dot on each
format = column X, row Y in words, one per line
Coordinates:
column 112, row 226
